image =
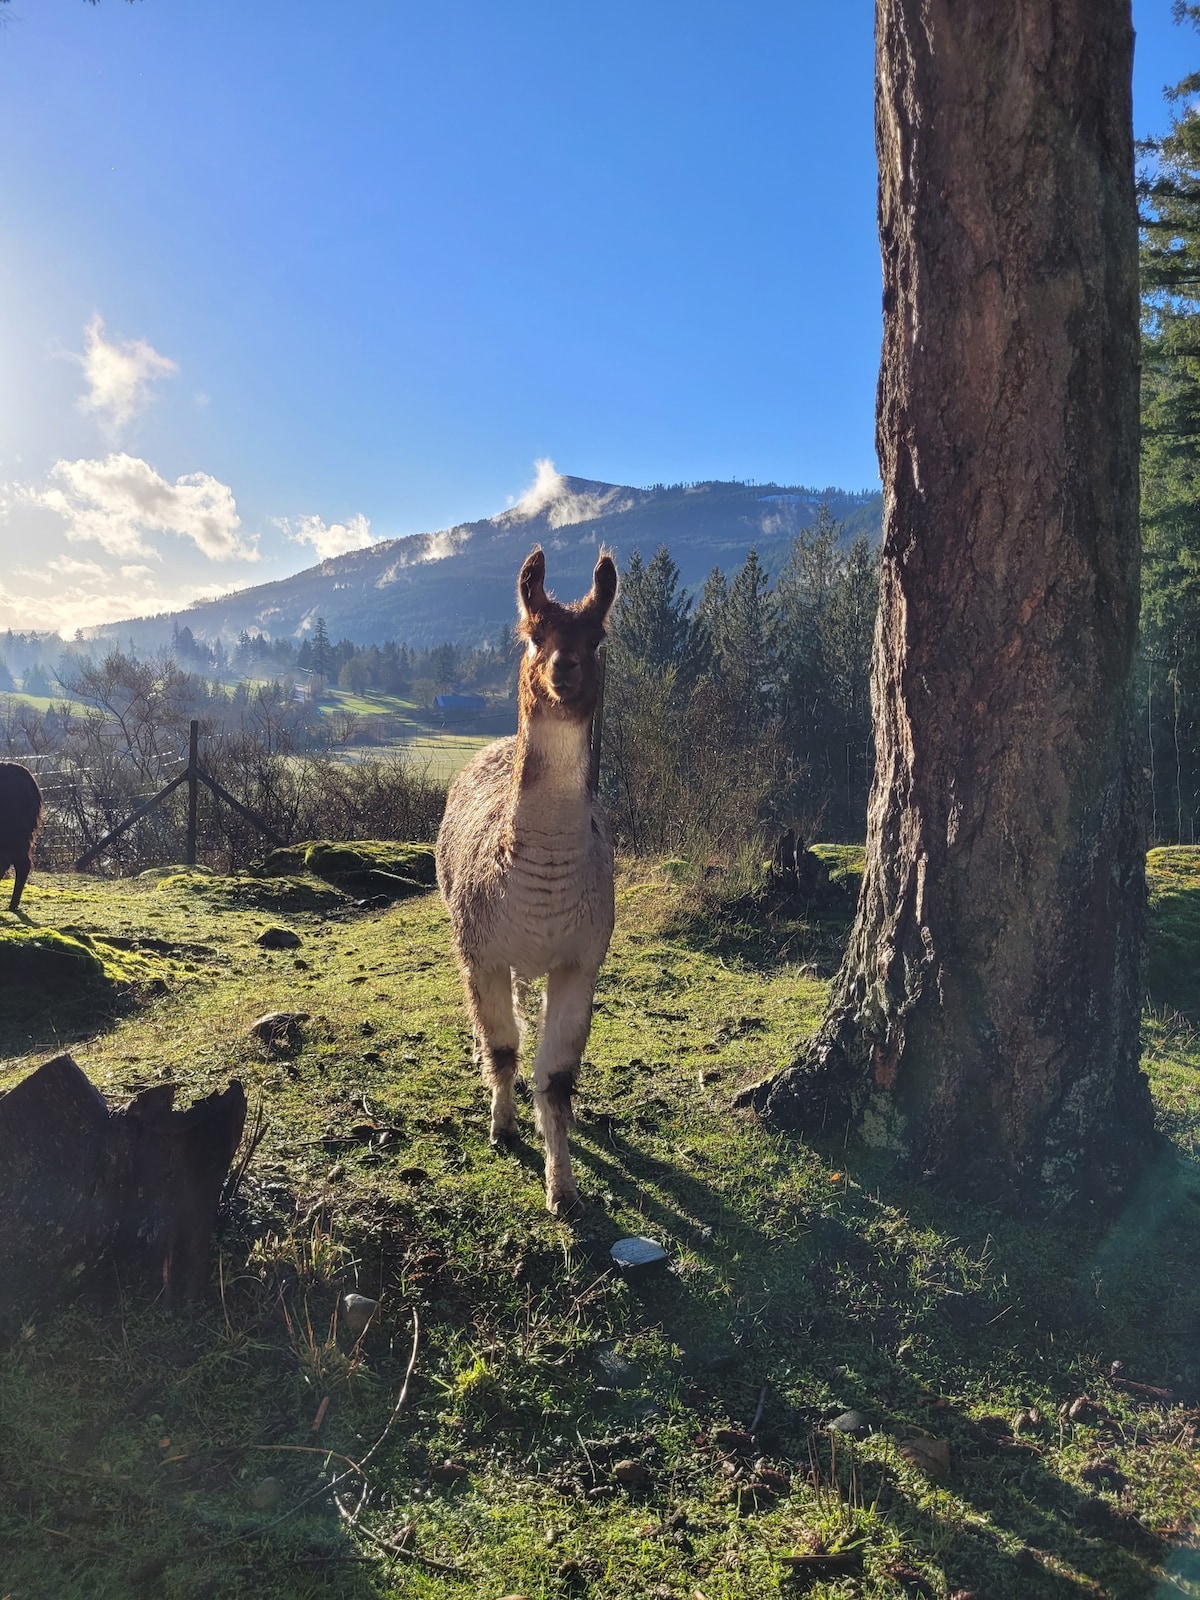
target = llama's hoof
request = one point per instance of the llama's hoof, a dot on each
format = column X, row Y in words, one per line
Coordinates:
column 505, row 1138
column 563, row 1203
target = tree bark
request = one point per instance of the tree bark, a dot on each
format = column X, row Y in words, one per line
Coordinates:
column 93, row 1196
column 986, row 1019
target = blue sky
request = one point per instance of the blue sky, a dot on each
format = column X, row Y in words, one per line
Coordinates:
column 281, row 278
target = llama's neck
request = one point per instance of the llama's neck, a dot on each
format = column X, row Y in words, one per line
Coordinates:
column 552, row 769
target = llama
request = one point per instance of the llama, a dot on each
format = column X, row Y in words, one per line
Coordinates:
column 20, row 818
column 525, row 866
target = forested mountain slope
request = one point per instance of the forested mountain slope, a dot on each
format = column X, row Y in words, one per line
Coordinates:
column 457, row 584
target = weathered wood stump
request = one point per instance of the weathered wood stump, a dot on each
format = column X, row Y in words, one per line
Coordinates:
column 88, row 1192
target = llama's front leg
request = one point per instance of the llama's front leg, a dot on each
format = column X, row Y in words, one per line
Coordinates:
column 566, row 1020
column 490, row 1001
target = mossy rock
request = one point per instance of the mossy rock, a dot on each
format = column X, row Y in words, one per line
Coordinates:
column 1173, row 955
column 415, row 863
column 360, row 866
column 844, row 863
column 46, row 959
column 178, row 869
column 255, row 894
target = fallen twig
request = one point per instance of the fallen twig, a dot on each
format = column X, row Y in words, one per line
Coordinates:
column 334, row 1484
column 403, row 1551
column 758, row 1410
column 396, row 1410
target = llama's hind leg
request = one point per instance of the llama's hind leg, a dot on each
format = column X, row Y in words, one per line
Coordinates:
column 22, row 867
column 566, row 1020
column 490, row 1001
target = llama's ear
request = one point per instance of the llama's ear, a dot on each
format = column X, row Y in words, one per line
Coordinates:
column 531, row 585
column 604, row 588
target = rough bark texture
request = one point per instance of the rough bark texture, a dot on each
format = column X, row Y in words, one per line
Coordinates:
column 986, row 1018
column 99, row 1196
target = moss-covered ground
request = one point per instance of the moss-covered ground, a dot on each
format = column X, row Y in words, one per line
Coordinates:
column 569, row 1431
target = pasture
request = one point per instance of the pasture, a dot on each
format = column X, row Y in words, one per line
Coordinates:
column 569, row 1431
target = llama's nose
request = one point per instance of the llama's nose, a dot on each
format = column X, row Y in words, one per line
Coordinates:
column 565, row 670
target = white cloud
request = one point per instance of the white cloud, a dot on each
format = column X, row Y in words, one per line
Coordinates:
column 549, row 495
column 548, row 485
column 328, row 539
column 94, row 599
column 121, row 502
column 419, row 548
column 63, row 567
column 120, row 375
column 440, row 546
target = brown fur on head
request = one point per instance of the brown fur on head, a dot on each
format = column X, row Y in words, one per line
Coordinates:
column 560, row 670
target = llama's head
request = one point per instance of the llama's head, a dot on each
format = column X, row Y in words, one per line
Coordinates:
column 560, row 671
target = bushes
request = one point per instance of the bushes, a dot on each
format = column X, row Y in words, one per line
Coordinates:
column 98, row 766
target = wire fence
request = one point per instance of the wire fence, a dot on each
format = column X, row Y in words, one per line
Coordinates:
column 256, row 796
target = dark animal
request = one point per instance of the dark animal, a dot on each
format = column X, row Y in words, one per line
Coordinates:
column 20, row 819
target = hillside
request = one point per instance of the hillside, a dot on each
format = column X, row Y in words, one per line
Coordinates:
column 458, row 583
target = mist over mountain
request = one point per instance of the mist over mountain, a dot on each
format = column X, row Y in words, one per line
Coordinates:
column 459, row 584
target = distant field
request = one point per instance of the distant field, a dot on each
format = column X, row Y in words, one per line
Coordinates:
column 392, row 723
column 443, row 755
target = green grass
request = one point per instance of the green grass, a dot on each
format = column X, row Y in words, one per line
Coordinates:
column 143, row 1454
column 442, row 752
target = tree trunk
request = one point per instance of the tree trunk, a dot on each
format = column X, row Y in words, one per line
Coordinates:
column 985, row 1021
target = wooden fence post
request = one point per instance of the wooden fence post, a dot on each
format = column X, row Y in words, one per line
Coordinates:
column 193, row 788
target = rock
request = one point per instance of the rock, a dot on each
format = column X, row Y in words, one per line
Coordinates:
column 851, row 1423
column 615, row 1371
column 930, row 1456
column 279, row 939
column 282, row 1031
column 266, row 1494
column 637, row 1253
column 631, row 1474
column 357, row 1311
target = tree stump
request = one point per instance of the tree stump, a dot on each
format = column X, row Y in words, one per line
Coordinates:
column 87, row 1191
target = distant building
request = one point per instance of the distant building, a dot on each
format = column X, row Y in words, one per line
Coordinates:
column 460, row 705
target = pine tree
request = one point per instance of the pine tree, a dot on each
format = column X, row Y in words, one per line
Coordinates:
column 1170, row 465
column 653, row 622
column 322, row 650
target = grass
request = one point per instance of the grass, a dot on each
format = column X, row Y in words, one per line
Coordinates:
column 441, row 751
column 568, row 1431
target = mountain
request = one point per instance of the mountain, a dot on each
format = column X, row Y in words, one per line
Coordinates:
column 459, row 584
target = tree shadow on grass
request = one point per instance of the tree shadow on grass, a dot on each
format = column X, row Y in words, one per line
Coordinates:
column 876, row 1303
column 117, row 1483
